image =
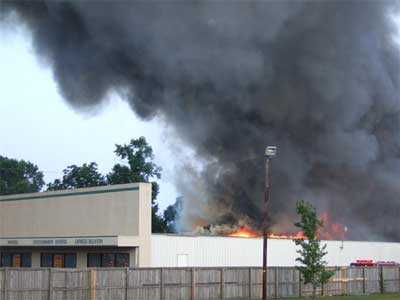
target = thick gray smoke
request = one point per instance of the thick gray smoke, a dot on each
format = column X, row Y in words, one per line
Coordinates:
column 318, row 79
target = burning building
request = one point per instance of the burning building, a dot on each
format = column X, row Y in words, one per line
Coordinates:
column 318, row 79
column 110, row 226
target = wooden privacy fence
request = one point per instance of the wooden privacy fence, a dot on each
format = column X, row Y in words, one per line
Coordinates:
column 185, row 283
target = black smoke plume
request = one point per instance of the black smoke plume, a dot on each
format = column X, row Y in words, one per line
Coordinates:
column 319, row 79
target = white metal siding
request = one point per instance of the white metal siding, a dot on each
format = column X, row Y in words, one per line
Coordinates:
column 206, row 251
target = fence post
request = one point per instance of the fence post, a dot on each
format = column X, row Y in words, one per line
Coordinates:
column 93, row 284
column 381, row 279
column 161, row 284
column 399, row 281
column 250, row 285
column 126, row 283
column 50, row 284
column 222, row 284
column 363, row 285
column 65, row 283
column 276, row 283
column 299, row 283
column 193, row 281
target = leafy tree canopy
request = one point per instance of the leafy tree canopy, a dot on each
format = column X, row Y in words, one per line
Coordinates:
column 19, row 176
column 313, row 265
column 136, row 165
column 83, row 176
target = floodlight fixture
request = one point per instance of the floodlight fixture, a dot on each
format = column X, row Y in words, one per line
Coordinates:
column 270, row 151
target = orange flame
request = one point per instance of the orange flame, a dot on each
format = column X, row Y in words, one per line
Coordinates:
column 244, row 232
column 247, row 232
column 330, row 231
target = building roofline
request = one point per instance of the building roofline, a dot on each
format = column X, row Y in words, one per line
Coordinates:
column 258, row 238
column 74, row 192
column 194, row 235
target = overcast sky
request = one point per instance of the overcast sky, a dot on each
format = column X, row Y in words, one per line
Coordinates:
column 37, row 125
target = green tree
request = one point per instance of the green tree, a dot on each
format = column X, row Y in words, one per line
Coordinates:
column 75, row 176
column 138, row 166
column 19, row 176
column 313, row 265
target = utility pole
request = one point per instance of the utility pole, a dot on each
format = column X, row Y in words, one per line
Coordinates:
column 270, row 152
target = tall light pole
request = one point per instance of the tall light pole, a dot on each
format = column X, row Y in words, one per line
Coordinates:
column 270, row 152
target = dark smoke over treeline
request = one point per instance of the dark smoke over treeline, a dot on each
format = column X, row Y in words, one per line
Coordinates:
column 320, row 79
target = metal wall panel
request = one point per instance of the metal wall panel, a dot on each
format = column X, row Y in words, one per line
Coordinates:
column 207, row 251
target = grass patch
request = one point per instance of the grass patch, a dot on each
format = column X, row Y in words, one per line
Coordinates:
column 369, row 297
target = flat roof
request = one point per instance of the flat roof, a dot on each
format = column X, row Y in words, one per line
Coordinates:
column 72, row 192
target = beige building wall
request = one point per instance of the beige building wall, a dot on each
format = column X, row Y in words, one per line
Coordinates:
column 119, row 215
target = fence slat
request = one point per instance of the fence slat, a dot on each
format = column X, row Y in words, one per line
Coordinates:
column 299, row 284
column 126, row 283
column 250, row 283
column 222, row 283
column 193, row 284
column 93, row 287
column 161, row 284
column 5, row 284
column 276, row 283
column 50, row 285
